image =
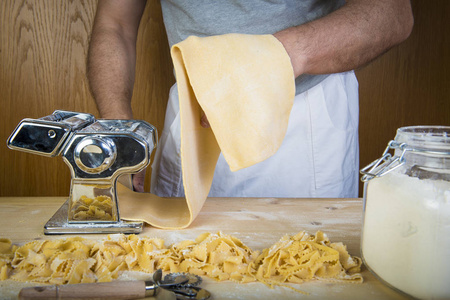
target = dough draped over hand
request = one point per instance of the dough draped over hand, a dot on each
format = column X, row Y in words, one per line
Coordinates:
column 245, row 85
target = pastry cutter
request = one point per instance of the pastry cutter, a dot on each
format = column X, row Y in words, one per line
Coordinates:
column 181, row 286
column 97, row 152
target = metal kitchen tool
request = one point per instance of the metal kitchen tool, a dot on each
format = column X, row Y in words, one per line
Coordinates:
column 189, row 280
column 181, row 286
column 97, row 153
column 184, row 285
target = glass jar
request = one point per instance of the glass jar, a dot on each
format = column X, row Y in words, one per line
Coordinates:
column 406, row 228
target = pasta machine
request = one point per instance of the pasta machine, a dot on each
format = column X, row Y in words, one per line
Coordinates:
column 98, row 153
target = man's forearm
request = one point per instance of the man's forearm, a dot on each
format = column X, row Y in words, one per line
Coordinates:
column 112, row 56
column 348, row 38
column 111, row 66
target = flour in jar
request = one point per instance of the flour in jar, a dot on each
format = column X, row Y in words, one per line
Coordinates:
column 406, row 235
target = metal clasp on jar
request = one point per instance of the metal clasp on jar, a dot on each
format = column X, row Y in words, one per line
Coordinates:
column 386, row 163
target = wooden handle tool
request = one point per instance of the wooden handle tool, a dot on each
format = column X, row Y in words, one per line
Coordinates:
column 98, row 290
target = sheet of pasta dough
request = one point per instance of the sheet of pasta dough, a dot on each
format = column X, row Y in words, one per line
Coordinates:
column 245, row 85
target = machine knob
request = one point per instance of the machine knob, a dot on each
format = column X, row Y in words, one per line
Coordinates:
column 94, row 155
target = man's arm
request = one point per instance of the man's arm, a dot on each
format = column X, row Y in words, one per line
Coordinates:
column 348, row 38
column 112, row 61
column 112, row 56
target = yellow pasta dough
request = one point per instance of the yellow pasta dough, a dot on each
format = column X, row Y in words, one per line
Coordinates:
column 87, row 209
column 245, row 85
column 293, row 259
column 6, row 255
column 304, row 257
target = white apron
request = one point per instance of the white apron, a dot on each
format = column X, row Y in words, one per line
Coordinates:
column 319, row 156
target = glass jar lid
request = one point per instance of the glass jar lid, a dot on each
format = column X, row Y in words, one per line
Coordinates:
column 428, row 146
column 429, row 139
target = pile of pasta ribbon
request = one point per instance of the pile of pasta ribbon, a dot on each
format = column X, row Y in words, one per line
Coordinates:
column 293, row 259
column 98, row 208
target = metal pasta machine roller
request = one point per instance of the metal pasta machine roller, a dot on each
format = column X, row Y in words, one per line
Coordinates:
column 97, row 152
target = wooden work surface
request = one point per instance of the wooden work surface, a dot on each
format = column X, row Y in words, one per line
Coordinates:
column 258, row 223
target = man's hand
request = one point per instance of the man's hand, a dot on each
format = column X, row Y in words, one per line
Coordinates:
column 138, row 181
column 204, row 121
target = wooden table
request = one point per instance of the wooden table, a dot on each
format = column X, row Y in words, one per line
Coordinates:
column 258, row 223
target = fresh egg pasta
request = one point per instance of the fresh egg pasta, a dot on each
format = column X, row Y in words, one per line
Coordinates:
column 293, row 259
